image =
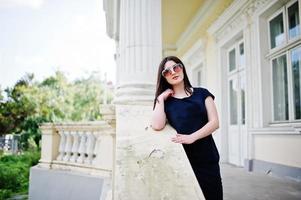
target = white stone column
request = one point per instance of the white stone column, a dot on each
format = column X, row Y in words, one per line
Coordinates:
column 139, row 50
column 146, row 164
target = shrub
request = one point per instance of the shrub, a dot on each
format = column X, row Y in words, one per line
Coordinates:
column 14, row 173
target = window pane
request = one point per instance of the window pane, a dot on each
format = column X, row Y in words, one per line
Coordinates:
column 296, row 61
column 280, row 98
column 293, row 20
column 241, row 54
column 243, row 99
column 232, row 62
column 199, row 77
column 243, row 110
column 276, row 31
column 233, row 103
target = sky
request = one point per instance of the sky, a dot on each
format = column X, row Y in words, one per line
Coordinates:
column 43, row 36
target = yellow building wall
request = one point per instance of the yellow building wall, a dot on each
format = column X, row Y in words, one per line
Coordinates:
column 280, row 149
column 211, row 63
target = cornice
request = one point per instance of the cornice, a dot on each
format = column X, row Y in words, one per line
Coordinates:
column 238, row 14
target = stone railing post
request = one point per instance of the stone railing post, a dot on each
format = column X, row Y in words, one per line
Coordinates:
column 90, row 147
column 50, row 145
column 68, row 146
column 75, row 146
column 82, row 148
column 62, row 145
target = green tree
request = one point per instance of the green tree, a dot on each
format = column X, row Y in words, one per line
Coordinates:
column 16, row 108
column 30, row 103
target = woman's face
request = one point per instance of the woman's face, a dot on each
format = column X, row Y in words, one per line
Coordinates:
column 173, row 72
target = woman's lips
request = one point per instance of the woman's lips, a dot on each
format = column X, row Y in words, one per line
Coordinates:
column 175, row 77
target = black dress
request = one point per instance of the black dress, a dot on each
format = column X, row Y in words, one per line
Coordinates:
column 186, row 116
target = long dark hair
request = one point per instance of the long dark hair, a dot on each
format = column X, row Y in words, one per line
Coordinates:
column 162, row 84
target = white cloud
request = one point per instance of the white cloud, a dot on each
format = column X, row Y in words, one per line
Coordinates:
column 34, row 4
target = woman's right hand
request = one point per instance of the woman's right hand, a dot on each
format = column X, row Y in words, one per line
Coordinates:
column 164, row 95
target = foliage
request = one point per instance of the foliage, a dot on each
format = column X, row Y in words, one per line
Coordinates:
column 30, row 103
column 14, row 173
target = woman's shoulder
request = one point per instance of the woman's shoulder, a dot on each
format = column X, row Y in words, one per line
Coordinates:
column 203, row 91
column 199, row 88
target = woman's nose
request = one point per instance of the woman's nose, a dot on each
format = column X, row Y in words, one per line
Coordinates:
column 172, row 71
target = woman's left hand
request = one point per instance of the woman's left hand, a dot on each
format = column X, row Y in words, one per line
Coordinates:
column 183, row 139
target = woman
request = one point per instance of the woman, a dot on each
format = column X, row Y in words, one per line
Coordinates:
column 192, row 113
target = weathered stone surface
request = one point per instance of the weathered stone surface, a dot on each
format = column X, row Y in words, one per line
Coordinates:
column 148, row 165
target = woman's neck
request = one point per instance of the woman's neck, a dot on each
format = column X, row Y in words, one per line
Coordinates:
column 179, row 90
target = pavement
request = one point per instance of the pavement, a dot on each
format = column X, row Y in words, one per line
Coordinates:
column 239, row 184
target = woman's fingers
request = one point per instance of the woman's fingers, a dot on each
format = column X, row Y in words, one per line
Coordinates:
column 177, row 139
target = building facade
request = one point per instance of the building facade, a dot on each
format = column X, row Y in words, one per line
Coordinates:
column 246, row 52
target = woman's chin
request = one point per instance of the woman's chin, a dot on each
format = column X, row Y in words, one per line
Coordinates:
column 176, row 82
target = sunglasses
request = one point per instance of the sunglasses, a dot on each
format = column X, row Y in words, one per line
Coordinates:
column 175, row 68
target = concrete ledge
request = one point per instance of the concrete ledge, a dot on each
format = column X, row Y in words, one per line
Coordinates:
column 274, row 169
column 49, row 184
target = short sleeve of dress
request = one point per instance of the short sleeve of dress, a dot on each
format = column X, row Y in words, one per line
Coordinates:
column 207, row 93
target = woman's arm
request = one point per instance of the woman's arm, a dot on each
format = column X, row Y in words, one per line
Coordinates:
column 159, row 117
column 209, row 128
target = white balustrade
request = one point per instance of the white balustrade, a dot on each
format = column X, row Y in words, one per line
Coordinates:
column 75, row 146
column 82, row 148
column 97, row 147
column 78, row 146
column 90, row 147
column 68, row 146
column 62, row 145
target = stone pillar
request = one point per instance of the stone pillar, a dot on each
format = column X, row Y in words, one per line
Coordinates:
column 147, row 164
column 50, row 145
column 139, row 50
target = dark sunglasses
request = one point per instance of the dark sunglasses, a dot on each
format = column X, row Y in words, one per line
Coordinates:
column 175, row 68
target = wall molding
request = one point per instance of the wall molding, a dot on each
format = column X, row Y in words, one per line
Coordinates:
column 238, row 13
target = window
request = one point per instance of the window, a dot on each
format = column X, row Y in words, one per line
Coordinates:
column 280, row 89
column 197, row 76
column 232, row 60
column 236, row 82
column 285, row 62
column 284, row 25
column 296, row 73
column 293, row 20
column 242, row 80
column 233, row 102
column 242, row 59
column 277, row 31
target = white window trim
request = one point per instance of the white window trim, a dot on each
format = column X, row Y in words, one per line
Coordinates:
column 290, row 45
